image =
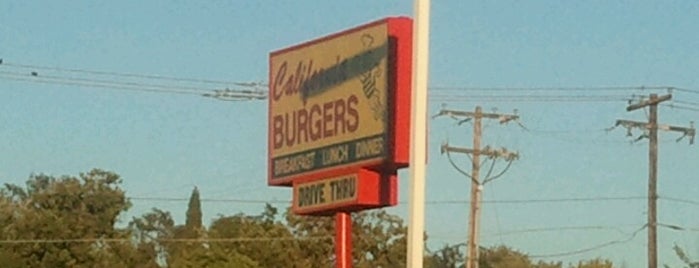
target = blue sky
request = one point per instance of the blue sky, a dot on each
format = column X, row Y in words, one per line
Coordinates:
column 164, row 144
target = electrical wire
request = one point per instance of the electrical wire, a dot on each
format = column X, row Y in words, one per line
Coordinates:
column 498, row 225
column 118, row 74
column 679, row 228
column 591, row 88
column 437, row 88
column 221, row 94
column 686, row 102
column 166, row 240
column 160, row 88
column 488, row 179
column 211, row 200
column 566, row 228
column 566, row 131
column 490, row 171
column 524, row 98
column 196, row 90
column 91, row 85
column 566, row 200
column 679, row 200
column 459, row 169
column 146, row 87
column 681, row 107
column 527, row 98
column 596, row 247
column 432, row 202
column 686, row 90
column 616, row 228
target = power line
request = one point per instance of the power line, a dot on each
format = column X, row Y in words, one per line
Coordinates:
column 679, row 200
column 93, row 85
column 681, row 107
column 686, row 102
column 590, row 88
column 213, row 200
column 260, row 84
column 616, row 228
column 433, row 202
column 687, row 90
column 165, row 240
column 566, row 200
column 226, row 94
column 565, row 131
column 679, row 228
column 596, row 247
column 565, row 228
column 222, row 94
column 438, row 88
column 119, row 74
column 258, row 93
column 528, row 98
column 261, row 94
column 108, row 83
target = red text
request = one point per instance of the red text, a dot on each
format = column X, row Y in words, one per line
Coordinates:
column 319, row 121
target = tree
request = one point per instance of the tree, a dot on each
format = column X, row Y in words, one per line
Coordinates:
column 261, row 238
column 684, row 258
column 379, row 239
column 70, row 222
column 212, row 258
column 194, row 214
column 70, row 219
column 502, row 257
column 594, row 263
column 151, row 233
column 449, row 256
column 188, row 236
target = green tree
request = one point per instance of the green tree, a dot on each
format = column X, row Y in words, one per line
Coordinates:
column 449, row 256
column 684, row 258
column 594, row 263
column 503, row 257
column 311, row 248
column 379, row 239
column 188, row 236
column 66, row 222
column 212, row 258
column 194, row 214
column 151, row 234
column 262, row 238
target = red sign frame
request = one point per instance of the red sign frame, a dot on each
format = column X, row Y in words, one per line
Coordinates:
column 397, row 135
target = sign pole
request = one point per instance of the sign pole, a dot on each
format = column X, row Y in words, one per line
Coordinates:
column 418, row 134
column 343, row 240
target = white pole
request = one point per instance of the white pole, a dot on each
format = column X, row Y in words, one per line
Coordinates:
column 418, row 134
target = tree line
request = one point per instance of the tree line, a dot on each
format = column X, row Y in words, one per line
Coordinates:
column 73, row 221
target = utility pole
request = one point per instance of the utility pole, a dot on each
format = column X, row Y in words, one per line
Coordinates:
column 652, row 127
column 475, row 213
column 476, row 184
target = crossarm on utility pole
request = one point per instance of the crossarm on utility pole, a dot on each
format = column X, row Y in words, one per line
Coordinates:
column 649, row 102
column 686, row 131
column 486, row 151
column 630, row 124
column 503, row 118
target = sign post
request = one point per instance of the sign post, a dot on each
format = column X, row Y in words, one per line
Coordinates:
column 343, row 240
column 418, row 137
